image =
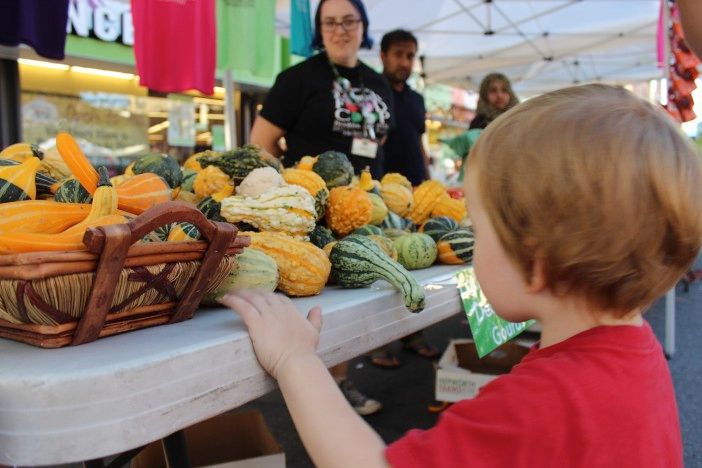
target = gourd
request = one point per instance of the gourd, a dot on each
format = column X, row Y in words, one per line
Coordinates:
column 238, row 162
column 452, row 207
column 437, row 227
column 368, row 230
column 18, row 152
column 398, row 198
column 348, row 208
column 183, row 232
column 392, row 233
column 335, row 168
column 415, row 251
column 211, row 206
column 103, row 211
column 140, row 192
column 456, row 247
column 116, row 180
column 77, row 162
column 288, row 209
column 306, row 163
column 254, row 269
column 161, row 165
column 43, row 181
column 395, row 221
column 54, row 166
column 259, row 181
column 187, row 197
column 19, row 182
column 40, row 216
column 321, row 236
column 71, row 191
column 160, row 234
column 209, row 180
column 366, row 182
column 380, row 210
column 358, row 262
column 426, row 196
column 386, row 245
column 304, row 268
column 188, row 179
column 327, row 250
column 311, row 182
column 396, row 178
column 193, row 161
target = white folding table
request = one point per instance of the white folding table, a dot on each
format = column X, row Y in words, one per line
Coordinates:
column 122, row 392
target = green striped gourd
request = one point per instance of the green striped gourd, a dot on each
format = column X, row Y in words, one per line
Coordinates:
column 188, row 179
column 358, row 262
column 456, row 247
column 369, row 230
column 71, row 191
column 162, row 165
column 254, row 269
column 415, row 251
column 380, row 210
column 395, row 221
column 437, row 227
column 239, row 162
column 335, row 168
column 43, row 181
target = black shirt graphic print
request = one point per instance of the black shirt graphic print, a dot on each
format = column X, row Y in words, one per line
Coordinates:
column 312, row 111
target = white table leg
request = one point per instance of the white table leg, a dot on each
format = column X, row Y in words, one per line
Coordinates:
column 669, row 343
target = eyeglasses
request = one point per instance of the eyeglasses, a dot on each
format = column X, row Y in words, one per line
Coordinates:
column 348, row 24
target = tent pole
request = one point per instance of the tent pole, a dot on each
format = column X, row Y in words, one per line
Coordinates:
column 230, row 140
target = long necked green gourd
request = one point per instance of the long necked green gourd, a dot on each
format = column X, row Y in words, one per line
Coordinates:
column 19, row 182
column 358, row 262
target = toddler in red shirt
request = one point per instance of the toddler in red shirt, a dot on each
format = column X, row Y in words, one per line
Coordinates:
column 586, row 208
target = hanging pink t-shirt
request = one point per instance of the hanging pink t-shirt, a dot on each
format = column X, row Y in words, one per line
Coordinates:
column 175, row 44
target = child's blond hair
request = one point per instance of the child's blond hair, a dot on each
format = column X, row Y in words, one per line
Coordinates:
column 599, row 184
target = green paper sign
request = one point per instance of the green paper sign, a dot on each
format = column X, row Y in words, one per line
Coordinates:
column 489, row 330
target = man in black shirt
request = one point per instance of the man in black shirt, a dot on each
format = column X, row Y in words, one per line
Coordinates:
column 404, row 151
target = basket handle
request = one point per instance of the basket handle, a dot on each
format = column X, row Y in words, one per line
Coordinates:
column 112, row 243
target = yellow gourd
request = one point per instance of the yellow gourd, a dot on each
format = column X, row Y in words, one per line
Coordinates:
column 397, row 198
column 306, row 163
column 40, row 216
column 19, row 182
column 451, row 207
column 426, row 196
column 313, row 183
column 77, row 162
column 396, row 178
column 380, row 209
column 348, row 209
column 365, row 181
column 209, row 180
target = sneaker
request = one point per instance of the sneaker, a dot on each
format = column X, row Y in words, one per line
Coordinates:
column 361, row 403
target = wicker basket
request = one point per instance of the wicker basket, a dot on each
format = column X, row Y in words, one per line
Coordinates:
column 54, row 299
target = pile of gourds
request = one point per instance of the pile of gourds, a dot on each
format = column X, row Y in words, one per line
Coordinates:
column 310, row 225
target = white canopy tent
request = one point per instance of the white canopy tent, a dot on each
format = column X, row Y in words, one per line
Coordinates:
column 540, row 44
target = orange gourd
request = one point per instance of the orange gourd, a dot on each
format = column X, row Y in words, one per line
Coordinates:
column 348, row 208
column 77, row 162
column 140, row 192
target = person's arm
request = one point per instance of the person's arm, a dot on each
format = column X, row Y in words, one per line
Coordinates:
column 691, row 20
column 285, row 343
column 425, row 157
column 266, row 135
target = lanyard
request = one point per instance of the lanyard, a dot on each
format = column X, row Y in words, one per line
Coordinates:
column 367, row 117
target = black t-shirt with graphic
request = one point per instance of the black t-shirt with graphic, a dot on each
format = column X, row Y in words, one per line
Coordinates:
column 305, row 103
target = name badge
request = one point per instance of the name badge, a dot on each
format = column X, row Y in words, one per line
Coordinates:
column 364, row 147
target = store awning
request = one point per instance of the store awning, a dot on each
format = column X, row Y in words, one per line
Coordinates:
column 539, row 44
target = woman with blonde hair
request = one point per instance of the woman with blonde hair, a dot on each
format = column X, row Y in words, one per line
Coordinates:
column 496, row 96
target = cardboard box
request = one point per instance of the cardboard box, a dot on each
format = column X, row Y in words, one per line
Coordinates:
column 461, row 373
column 230, row 440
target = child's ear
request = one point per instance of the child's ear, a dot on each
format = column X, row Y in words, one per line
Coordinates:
column 537, row 278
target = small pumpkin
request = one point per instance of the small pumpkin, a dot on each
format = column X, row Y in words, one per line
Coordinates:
column 396, row 178
column 211, row 206
column 304, row 268
column 335, row 168
column 395, row 221
column 452, row 207
column 71, row 191
column 456, row 247
column 18, row 152
column 426, row 196
column 313, row 183
column 183, row 232
column 415, row 251
column 438, row 226
column 193, row 161
column 43, row 181
column 140, row 192
column 239, row 162
column 398, row 198
column 209, row 180
column 19, row 182
column 348, row 208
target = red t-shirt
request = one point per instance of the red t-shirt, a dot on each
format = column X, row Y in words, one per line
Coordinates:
column 602, row 398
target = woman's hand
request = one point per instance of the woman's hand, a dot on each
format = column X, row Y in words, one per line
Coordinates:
column 278, row 331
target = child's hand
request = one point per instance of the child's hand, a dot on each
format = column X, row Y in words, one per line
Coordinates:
column 277, row 329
